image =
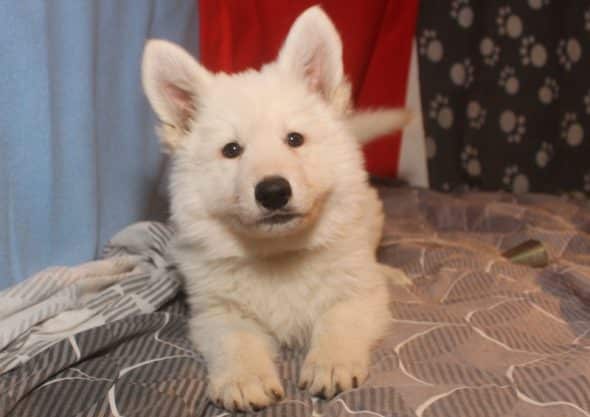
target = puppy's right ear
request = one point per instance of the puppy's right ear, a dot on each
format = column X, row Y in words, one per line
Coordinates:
column 173, row 81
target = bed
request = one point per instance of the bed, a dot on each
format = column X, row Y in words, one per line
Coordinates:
column 474, row 335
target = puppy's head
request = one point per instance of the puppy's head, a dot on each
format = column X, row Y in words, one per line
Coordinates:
column 260, row 152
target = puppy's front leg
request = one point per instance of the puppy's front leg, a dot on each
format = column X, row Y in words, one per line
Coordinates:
column 239, row 355
column 339, row 353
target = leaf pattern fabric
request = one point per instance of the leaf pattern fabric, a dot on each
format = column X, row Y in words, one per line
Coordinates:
column 475, row 335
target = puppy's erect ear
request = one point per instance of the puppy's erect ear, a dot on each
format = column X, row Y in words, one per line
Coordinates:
column 172, row 81
column 313, row 52
column 371, row 124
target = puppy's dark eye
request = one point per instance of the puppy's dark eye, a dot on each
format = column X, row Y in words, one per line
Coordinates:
column 295, row 139
column 232, row 150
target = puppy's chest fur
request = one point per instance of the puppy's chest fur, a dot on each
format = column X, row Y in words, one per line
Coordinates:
column 283, row 295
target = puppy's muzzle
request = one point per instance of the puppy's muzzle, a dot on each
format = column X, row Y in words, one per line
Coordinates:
column 273, row 193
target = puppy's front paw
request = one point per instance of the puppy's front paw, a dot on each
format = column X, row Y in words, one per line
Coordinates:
column 244, row 389
column 326, row 374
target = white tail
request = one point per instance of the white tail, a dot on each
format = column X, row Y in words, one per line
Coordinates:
column 371, row 124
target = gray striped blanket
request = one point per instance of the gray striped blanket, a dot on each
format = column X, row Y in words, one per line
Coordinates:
column 475, row 335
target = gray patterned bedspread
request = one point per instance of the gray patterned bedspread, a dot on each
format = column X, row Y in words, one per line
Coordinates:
column 474, row 336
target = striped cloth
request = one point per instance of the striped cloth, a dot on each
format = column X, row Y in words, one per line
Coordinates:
column 475, row 335
column 60, row 302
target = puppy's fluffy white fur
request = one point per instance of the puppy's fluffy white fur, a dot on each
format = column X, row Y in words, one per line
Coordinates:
column 254, row 285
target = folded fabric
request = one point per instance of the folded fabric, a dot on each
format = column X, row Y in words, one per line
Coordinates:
column 135, row 277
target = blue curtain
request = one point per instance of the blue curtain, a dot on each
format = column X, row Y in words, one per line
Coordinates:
column 79, row 159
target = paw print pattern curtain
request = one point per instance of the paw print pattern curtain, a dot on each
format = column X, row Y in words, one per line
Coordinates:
column 506, row 94
column 78, row 154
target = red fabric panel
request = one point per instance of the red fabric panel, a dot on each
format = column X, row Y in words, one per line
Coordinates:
column 377, row 37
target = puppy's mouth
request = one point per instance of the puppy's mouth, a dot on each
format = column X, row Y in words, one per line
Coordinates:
column 279, row 218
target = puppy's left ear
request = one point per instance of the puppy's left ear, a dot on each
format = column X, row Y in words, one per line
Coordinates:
column 313, row 52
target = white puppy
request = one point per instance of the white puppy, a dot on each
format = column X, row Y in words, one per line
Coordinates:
column 277, row 227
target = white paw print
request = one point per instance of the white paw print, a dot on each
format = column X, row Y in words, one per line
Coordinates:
column 476, row 114
column 587, row 102
column 470, row 161
column 514, row 126
column 490, row 51
column 509, row 81
column 441, row 111
column 532, row 52
column 571, row 130
column 538, row 4
column 430, row 147
column 430, row 46
column 569, row 52
column 544, row 155
column 462, row 12
column 515, row 181
column 462, row 73
column 509, row 24
column 549, row 91
column 587, row 182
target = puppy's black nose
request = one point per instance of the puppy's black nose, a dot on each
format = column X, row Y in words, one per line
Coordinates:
column 273, row 192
